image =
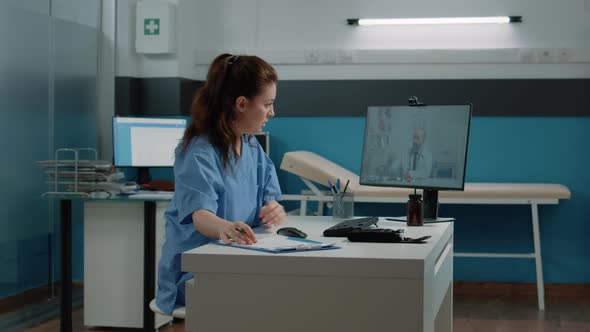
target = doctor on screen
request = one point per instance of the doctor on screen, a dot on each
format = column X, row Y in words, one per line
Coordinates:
column 416, row 162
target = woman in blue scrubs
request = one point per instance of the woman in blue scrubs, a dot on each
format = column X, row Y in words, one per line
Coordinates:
column 224, row 182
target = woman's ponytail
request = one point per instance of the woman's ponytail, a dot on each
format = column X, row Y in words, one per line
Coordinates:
column 212, row 112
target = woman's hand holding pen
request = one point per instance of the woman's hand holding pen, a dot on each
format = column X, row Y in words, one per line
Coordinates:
column 237, row 232
column 272, row 213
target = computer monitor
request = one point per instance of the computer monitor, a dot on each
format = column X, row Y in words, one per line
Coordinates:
column 422, row 147
column 150, row 142
column 146, row 142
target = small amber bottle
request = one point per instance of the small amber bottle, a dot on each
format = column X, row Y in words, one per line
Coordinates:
column 415, row 213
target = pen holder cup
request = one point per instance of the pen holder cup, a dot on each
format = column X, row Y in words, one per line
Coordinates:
column 343, row 206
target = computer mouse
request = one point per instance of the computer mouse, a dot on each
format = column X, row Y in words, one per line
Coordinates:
column 291, row 232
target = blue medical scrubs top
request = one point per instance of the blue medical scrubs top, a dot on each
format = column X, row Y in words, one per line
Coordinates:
column 235, row 193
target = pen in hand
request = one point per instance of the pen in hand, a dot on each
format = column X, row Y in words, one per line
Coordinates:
column 245, row 235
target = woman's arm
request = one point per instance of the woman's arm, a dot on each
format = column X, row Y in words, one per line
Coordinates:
column 271, row 213
column 213, row 227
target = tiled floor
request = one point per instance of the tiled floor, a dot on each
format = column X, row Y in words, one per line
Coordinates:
column 471, row 314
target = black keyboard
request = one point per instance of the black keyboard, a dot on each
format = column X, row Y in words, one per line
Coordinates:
column 344, row 227
column 383, row 235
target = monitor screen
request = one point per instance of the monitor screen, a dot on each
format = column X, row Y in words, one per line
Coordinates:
column 263, row 139
column 146, row 142
column 417, row 147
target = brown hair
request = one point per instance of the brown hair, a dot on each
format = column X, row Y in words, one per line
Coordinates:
column 212, row 110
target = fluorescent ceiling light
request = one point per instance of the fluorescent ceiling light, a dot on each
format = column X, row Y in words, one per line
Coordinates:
column 435, row 20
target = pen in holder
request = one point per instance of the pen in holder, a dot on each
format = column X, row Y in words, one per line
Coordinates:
column 343, row 206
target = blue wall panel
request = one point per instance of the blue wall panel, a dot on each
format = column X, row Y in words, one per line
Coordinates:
column 501, row 149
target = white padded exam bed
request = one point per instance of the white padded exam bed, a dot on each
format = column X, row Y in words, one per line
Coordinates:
column 313, row 169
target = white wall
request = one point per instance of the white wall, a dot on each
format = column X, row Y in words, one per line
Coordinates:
column 286, row 31
column 129, row 63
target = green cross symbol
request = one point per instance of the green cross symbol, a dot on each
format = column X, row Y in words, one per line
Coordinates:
column 151, row 26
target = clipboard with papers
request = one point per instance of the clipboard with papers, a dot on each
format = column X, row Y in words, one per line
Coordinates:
column 281, row 244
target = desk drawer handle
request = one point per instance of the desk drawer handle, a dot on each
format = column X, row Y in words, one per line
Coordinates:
column 442, row 257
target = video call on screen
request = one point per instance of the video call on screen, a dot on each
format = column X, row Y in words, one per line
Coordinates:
column 416, row 146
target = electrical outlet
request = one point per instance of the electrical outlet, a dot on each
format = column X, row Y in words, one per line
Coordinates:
column 527, row 56
column 564, row 55
column 311, row 56
column 546, row 55
column 328, row 57
column 344, row 57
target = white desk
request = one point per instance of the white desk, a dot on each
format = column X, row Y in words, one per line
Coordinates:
column 313, row 169
column 531, row 194
column 120, row 258
column 361, row 287
column 107, row 257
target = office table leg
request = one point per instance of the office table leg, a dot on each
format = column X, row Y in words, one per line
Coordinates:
column 66, row 265
column 149, row 265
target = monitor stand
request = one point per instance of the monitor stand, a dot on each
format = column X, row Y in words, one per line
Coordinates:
column 143, row 175
column 430, row 199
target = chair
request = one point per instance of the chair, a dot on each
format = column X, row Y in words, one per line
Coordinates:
column 178, row 312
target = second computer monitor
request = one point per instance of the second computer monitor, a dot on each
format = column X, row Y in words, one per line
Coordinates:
column 150, row 142
column 416, row 146
column 146, row 142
